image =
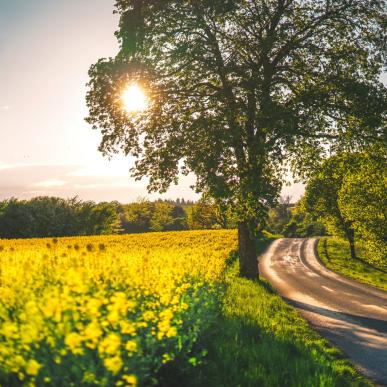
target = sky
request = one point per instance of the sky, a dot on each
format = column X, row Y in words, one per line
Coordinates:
column 46, row 147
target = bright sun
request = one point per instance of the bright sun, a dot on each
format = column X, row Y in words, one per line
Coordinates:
column 134, row 99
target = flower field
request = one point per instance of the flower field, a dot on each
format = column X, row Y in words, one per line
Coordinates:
column 106, row 310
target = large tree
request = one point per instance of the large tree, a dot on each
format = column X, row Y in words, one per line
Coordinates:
column 237, row 89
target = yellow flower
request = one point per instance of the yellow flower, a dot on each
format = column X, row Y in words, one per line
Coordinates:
column 9, row 329
column 110, row 344
column 148, row 315
column 131, row 380
column 172, row 332
column 92, row 331
column 33, row 367
column 93, row 306
column 89, row 298
column 131, row 346
column 113, row 316
column 113, row 364
column 127, row 328
column 73, row 341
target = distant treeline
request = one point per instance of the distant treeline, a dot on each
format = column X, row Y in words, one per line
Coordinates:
column 54, row 217
column 51, row 216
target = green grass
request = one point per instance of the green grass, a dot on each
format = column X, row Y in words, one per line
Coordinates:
column 335, row 254
column 259, row 340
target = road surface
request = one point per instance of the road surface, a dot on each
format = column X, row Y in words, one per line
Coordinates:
column 351, row 315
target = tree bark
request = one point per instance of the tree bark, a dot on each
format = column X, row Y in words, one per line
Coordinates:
column 352, row 248
column 351, row 240
column 248, row 261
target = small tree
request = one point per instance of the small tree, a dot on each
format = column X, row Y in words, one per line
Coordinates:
column 236, row 89
column 322, row 196
column 362, row 200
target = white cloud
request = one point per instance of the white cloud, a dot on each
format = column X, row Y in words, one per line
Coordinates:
column 118, row 167
column 50, row 183
column 4, row 166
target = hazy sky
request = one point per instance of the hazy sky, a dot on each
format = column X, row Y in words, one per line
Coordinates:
column 46, row 147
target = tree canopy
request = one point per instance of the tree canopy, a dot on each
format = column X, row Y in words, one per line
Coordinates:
column 362, row 199
column 322, row 195
column 239, row 89
column 348, row 192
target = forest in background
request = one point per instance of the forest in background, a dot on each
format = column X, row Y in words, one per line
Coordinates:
column 55, row 217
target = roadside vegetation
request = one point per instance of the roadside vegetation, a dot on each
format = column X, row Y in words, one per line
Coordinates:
column 260, row 340
column 166, row 308
column 336, row 255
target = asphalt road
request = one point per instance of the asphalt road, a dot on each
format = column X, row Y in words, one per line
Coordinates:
column 351, row 315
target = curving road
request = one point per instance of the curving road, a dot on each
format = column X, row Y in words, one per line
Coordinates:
column 351, row 315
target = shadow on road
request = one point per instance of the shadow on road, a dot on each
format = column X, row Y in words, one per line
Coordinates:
column 366, row 322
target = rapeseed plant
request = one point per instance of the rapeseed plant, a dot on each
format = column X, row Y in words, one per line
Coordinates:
column 106, row 310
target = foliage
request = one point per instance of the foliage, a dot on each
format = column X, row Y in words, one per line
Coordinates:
column 50, row 216
column 302, row 223
column 217, row 73
column 322, row 192
column 335, row 255
column 107, row 310
column 98, row 219
column 362, row 200
column 207, row 214
column 293, row 220
column 279, row 215
column 145, row 216
column 322, row 195
column 136, row 217
column 237, row 88
column 162, row 217
column 348, row 194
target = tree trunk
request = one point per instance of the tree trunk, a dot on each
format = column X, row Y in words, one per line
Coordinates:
column 351, row 240
column 248, row 262
column 352, row 247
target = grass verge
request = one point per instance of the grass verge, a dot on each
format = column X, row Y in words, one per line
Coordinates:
column 335, row 254
column 259, row 340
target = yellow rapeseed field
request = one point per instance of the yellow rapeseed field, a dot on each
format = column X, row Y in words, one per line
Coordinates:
column 106, row 310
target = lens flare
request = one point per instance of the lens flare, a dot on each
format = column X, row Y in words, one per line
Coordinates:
column 134, row 99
